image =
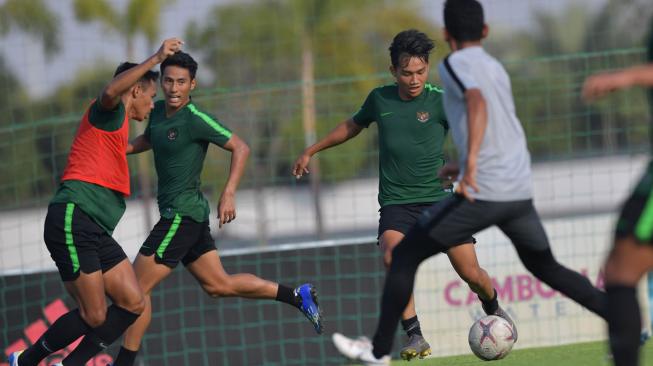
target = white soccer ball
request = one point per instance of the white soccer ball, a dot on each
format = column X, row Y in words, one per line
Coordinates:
column 491, row 338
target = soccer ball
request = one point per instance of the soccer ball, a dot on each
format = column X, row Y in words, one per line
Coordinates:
column 491, row 338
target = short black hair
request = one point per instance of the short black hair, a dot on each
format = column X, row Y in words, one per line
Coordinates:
column 411, row 42
column 464, row 20
column 183, row 60
column 148, row 76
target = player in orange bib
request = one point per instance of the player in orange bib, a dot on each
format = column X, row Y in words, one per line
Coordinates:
column 85, row 210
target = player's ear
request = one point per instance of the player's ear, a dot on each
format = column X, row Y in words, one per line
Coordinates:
column 486, row 31
column 393, row 71
column 193, row 83
column 136, row 90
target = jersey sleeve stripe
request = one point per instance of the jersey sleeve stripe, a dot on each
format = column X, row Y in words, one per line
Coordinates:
column 447, row 64
column 432, row 87
column 210, row 121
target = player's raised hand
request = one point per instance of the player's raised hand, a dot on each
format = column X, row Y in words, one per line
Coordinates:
column 466, row 182
column 226, row 208
column 598, row 85
column 169, row 47
column 301, row 165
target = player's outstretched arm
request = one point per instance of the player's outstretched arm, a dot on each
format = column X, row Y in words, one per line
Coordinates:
column 239, row 154
column 111, row 94
column 138, row 145
column 476, row 124
column 598, row 85
column 341, row 133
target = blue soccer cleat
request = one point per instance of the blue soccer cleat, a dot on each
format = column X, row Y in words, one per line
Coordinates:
column 306, row 296
column 13, row 358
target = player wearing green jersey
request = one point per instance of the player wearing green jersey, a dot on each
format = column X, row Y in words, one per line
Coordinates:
column 179, row 133
column 632, row 254
column 412, row 129
column 83, row 214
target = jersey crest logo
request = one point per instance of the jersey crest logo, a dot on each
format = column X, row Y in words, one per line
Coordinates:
column 423, row 116
column 172, row 134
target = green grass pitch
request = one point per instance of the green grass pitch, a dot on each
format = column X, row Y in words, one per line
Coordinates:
column 580, row 354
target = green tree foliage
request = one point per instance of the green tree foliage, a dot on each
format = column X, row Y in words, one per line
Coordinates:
column 250, row 57
column 34, row 18
column 37, row 145
column 17, row 136
column 561, row 51
column 254, row 54
column 139, row 17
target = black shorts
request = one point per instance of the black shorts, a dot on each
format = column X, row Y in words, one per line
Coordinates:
column 178, row 239
column 636, row 218
column 450, row 221
column 76, row 243
column 402, row 217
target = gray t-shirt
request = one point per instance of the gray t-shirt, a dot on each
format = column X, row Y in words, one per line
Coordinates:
column 504, row 163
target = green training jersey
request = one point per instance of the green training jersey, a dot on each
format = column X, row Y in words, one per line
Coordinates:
column 411, row 136
column 103, row 205
column 179, row 143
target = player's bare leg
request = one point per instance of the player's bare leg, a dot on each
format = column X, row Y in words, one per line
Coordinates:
column 627, row 263
column 464, row 261
column 121, row 286
column 149, row 274
column 88, row 292
column 209, row 272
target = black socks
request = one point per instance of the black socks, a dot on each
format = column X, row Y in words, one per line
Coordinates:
column 411, row 326
column 490, row 306
column 624, row 324
column 287, row 295
column 97, row 339
column 61, row 333
column 125, row 357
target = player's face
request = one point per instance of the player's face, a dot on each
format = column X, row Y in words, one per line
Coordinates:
column 177, row 85
column 411, row 75
column 143, row 102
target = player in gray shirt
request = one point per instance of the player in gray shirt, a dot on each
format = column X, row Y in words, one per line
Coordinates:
column 494, row 182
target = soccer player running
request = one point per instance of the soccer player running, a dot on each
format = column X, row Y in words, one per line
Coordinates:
column 83, row 214
column 179, row 133
column 632, row 254
column 412, row 129
column 494, row 181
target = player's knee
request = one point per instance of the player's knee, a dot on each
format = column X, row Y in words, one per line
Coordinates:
column 136, row 306
column 94, row 317
column 133, row 302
